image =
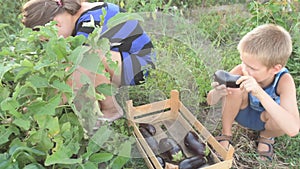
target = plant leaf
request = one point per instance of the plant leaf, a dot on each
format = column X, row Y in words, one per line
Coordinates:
column 23, row 123
column 60, row 157
column 101, row 157
column 106, row 89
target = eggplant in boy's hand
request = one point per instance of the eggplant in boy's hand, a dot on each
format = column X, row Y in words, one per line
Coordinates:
column 153, row 144
column 223, row 77
column 149, row 127
column 192, row 142
column 171, row 150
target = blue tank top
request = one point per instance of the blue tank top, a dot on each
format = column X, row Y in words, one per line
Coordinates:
column 271, row 90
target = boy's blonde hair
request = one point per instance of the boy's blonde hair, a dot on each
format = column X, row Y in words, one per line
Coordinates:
column 39, row 12
column 271, row 44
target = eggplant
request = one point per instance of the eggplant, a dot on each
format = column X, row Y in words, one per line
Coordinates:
column 192, row 162
column 149, row 127
column 191, row 141
column 161, row 161
column 223, row 77
column 171, row 150
column 153, row 144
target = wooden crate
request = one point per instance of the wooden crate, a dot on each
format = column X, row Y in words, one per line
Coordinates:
column 172, row 119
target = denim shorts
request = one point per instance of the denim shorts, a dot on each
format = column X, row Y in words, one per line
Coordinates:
column 250, row 118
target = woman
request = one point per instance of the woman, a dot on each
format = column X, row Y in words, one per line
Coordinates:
column 131, row 47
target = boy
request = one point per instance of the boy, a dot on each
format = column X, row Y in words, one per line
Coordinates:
column 266, row 100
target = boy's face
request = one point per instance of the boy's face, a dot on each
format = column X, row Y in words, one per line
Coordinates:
column 256, row 69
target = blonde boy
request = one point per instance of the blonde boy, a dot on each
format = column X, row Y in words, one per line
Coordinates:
column 266, row 100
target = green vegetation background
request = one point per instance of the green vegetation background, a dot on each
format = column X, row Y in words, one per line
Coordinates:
column 220, row 24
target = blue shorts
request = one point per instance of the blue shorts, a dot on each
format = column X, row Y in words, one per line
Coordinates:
column 250, row 118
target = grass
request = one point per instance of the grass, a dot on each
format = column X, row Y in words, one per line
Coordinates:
column 220, row 29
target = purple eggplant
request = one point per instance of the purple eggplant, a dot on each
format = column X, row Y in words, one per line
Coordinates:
column 192, row 162
column 149, row 127
column 170, row 150
column 223, row 77
column 153, row 144
column 191, row 141
column 161, row 161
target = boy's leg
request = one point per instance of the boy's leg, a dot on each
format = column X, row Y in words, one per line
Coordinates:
column 271, row 130
column 232, row 104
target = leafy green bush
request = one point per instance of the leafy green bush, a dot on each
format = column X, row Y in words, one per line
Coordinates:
column 10, row 20
column 37, row 128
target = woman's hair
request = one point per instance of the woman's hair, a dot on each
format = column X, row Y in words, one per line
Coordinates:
column 271, row 44
column 39, row 12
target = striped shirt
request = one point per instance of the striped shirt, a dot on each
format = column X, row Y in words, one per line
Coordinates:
column 128, row 38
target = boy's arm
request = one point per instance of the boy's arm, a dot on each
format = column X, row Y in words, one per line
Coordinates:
column 286, row 115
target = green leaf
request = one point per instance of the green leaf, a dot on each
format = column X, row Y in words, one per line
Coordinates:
column 60, row 48
column 48, row 122
column 99, row 138
column 11, row 105
column 76, row 41
column 177, row 157
column 88, row 165
column 34, row 166
column 106, row 89
column 38, row 81
column 22, row 72
column 104, row 44
column 24, row 90
column 73, row 120
column 4, row 68
column 26, row 63
column 5, row 163
column 60, row 157
column 5, row 133
column 4, row 93
column 91, row 62
column 121, row 18
column 101, row 157
column 23, row 123
column 15, row 150
column 119, row 162
column 125, row 149
column 42, row 64
column 77, row 56
column 42, row 107
column 40, row 139
column 62, row 86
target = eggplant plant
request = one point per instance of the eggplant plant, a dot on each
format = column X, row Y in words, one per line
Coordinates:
column 37, row 128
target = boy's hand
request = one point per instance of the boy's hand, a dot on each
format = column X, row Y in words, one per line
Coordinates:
column 220, row 90
column 249, row 84
column 217, row 93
